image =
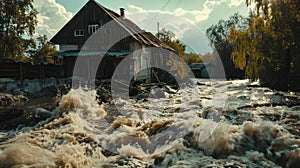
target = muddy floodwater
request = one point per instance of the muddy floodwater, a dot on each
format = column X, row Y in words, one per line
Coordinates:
column 211, row 124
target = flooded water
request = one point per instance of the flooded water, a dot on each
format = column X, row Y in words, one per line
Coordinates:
column 215, row 124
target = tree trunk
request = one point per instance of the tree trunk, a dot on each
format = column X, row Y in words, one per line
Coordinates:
column 285, row 71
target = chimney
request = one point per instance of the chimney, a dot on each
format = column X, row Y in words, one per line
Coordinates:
column 122, row 12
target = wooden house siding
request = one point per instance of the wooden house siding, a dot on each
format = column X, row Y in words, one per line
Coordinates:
column 104, row 39
column 92, row 14
column 21, row 70
column 89, row 14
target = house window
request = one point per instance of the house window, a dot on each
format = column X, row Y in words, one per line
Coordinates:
column 78, row 33
column 93, row 28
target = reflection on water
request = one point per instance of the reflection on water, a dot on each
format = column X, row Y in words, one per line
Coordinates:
column 256, row 127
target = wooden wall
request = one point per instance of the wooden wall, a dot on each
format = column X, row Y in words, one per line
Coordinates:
column 19, row 70
column 104, row 70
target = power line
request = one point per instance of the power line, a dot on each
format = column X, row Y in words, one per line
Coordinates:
column 177, row 4
column 165, row 5
column 156, row 14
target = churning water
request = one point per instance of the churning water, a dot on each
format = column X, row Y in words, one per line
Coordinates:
column 252, row 127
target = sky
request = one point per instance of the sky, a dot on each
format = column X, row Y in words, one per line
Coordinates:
column 188, row 19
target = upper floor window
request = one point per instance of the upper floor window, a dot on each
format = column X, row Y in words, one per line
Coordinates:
column 93, row 28
column 78, row 33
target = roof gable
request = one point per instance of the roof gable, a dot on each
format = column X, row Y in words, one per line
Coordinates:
column 94, row 13
column 90, row 13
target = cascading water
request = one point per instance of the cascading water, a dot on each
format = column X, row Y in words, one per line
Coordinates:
column 255, row 128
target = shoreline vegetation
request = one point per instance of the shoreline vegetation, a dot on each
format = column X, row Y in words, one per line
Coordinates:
column 265, row 45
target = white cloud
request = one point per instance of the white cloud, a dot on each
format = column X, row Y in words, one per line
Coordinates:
column 195, row 16
column 183, row 28
column 136, row 8
column 235, row 3
column 188, row 25
column 180, row 21
column 51, row 17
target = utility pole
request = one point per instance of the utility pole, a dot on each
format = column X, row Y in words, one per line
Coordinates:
column 158, row 30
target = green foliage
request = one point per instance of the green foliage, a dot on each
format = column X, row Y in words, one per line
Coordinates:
column 178, row 67
column 269, row 48
column 193, row 58
column 44, row 49
column 209, row 58
column 17, row 21
column 168, row 38
column 218, row 35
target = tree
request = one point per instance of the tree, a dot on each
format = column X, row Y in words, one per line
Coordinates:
column 168, row 38
column 43, row 50
column 176, row 64
column 17, row 25
column 193, row 58
column 269, row 48
column 218, row 35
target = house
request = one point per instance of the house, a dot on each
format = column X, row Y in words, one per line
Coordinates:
column 96, row 31
column 200, row 70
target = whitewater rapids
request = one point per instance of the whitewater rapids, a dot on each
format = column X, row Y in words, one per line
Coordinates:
column 239, row 128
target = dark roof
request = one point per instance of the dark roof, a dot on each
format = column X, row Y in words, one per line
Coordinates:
column 200, row 65
column 136, row 33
